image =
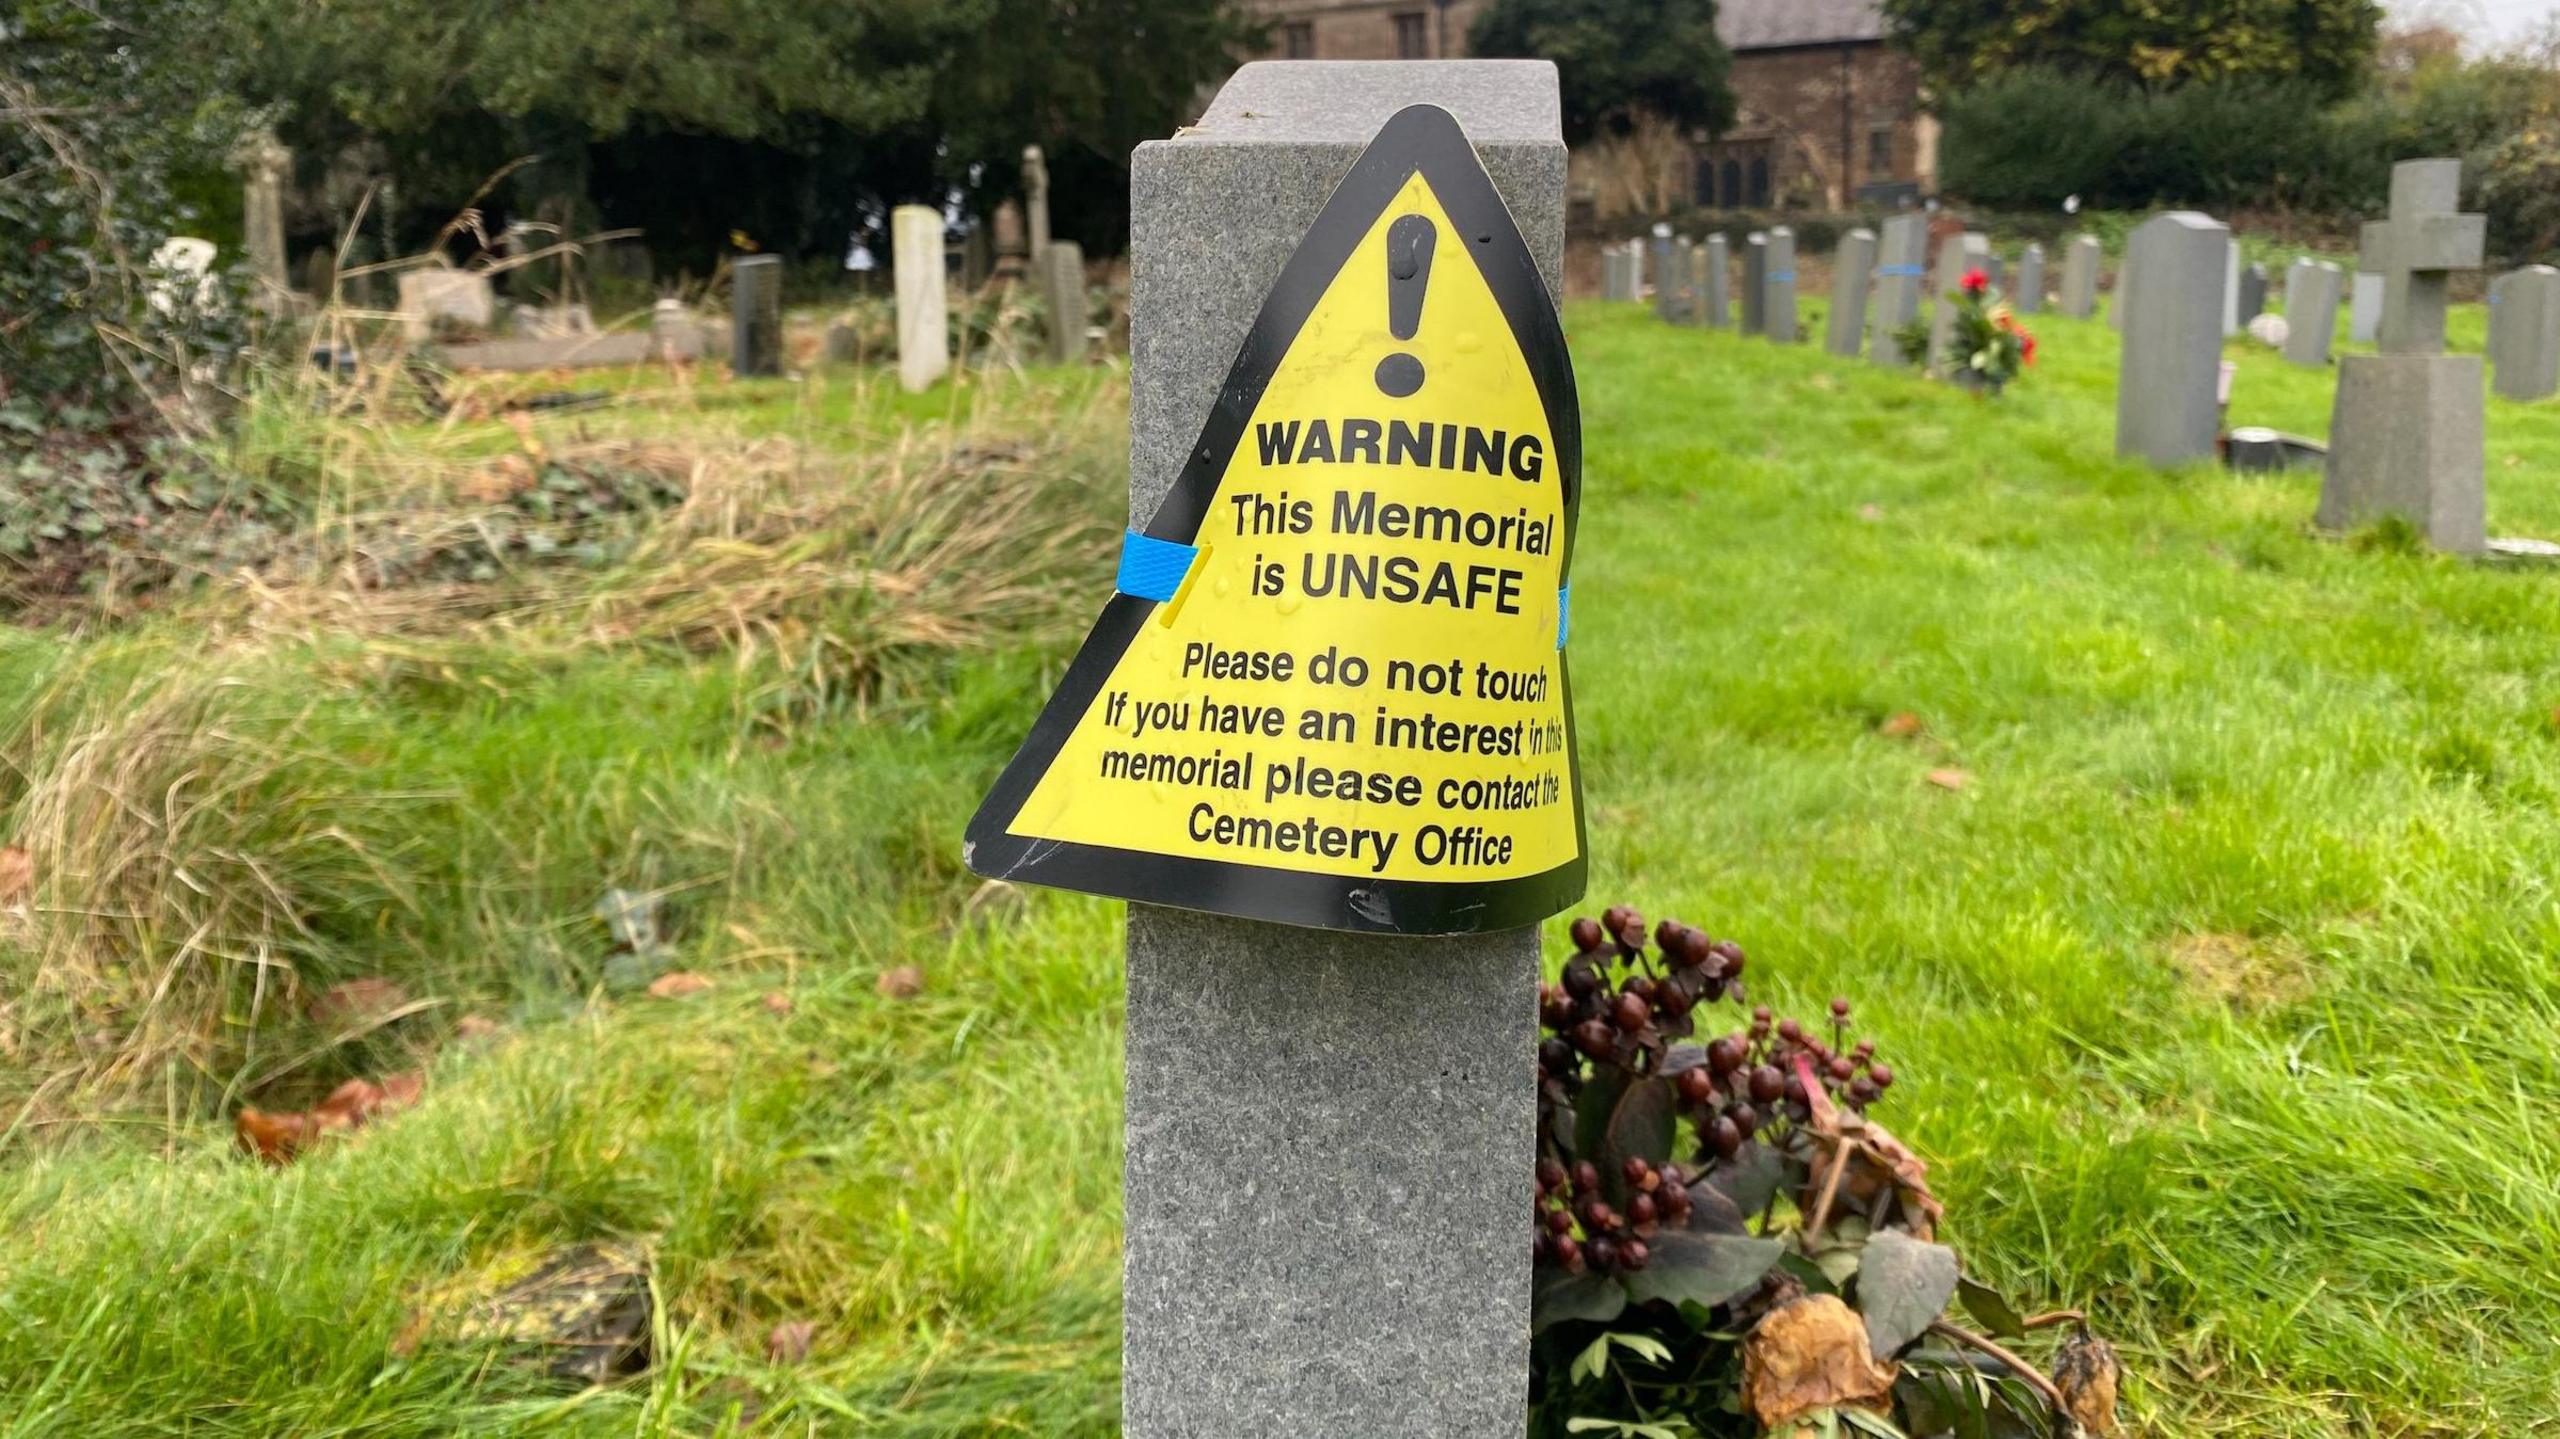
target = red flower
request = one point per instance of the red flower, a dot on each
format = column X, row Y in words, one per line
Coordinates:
column 2026, row 347
column 1975, row 282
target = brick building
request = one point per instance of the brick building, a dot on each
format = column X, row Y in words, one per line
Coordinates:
column 1827, row 112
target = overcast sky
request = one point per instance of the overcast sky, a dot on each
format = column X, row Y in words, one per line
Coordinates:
column 2488, row 21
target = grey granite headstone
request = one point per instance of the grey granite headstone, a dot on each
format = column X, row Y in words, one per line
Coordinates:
column 1614, row 283
column 1327, row 1133
column 1993, row 270
column 1061, row 271
column 2029, row 298
column 2408, row 428
column 1666, row 278
column 2364, row 308
column 1755, row 283
column 1778, row 306
column 2253, row 292
column 2080, row 276
column 2524, row 333
column 1853, row 268
column 1714, row 280
column 755, row 315
column 2168, row 389
column 2122, row 300
column 2231, row 290
column 1956, row 255
column 1902, row 254
column 2311, row 310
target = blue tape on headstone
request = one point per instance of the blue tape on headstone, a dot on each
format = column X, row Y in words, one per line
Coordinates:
column 1564, row 613
column 1912, row 270
column 1783, row 277
column 1153, row 569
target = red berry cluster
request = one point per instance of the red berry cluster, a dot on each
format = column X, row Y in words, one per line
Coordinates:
column 1748, row 1080
column 1578, row 1229
column 1628, row 1019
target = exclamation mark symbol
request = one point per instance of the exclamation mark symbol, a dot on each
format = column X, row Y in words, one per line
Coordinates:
column 1410, row 241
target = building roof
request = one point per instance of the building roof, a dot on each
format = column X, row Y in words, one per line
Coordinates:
column 1776, row 24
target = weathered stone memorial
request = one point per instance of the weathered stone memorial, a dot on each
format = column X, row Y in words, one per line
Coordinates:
column 2080, row 276
column 1614, row 285
column 2230, row 290
column 2168, row 391
column 1778, row 305
column 2253, row 292
column 2311, row 310
column 1755, row 283
column 1666, row 276
column 437, row 294
column 2029, row 298
column 755, row 315
column 266, row 166
column 1062, row 292
column 924, row 309
column 1852, row 271
column 1327, row 1119
column 2524, row 333
column 1715, row 279
column 2364, row 308
column 1957, row 254
column 1902, row 253
column 2408, row 426
column 1035, row 200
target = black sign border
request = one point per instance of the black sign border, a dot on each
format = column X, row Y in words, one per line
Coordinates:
column 1427, row 139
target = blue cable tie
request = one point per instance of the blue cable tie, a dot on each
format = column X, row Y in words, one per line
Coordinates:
column 1153, row 569
column 1564, row 614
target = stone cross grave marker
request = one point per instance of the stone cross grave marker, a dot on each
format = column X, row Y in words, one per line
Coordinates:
column 1283, row 1275
column 2524, row 333
column 2168, row 391
column 2364, row 310
column 1852, row 272
column 1715, row 280
column 2080, row 276
column 1755, row 283
column 2029, row 298
column 1778, row 307
column 1061, row 270
column 266, row 165
column 1902, row 253
column 2311, row 310
column 1035, row 199
column 755, row 315
column 2407, row 429
column 924, row 308
column 1956, row 255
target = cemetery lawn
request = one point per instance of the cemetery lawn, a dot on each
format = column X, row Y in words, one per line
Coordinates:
column 2207, row 922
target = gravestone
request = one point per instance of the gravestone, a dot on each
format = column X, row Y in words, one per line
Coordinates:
column 1852, row 272
column 2080, row 276
column 2122, row 300
column 434, row 294
column 266, row 166
column 2168, row 407
column 2030, row 296
column 1035, row 199
column 1335, row 1257
column 2253, row 293
column 674, row 334
column 1992, row 269
column 1013, row 244
column 2231, row 291
column 755, row 316
column 2408, row 427
column 1901, row 256
column 924, row 311
column 1061, row 268
column 1755, row 283
column 2524, row 333
column 1957, row 254
column 2364, row 308
column 1715, row 279
column 1667, row 274
column 2311, row 310
column 1778, row 306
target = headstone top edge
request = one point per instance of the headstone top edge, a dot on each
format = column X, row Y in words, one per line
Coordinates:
column 1302, row 102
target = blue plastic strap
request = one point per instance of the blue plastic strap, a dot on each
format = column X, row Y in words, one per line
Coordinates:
column 1783, row 277
column 1564, row 613
column 1912, row 270
column 1153, row 569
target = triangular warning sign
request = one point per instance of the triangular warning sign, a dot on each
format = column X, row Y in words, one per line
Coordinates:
column 1332, row 689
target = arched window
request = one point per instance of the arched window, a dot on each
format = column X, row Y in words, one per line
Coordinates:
column 1733, row 184
column 1759, row 182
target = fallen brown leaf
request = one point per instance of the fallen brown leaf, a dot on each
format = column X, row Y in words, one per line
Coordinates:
column 904, row 982
column 777, row 1004
column 279, row 1137
column 17, row 873
column 1949, row 778
column 678, row 984
column 1902, row 725
column 355, row 1001
column 275, row 1138
column 1811, row 1354
column 2086, row 1370
column 788, row 1343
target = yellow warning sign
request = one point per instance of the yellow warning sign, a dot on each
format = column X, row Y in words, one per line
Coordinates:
column 1332, row 688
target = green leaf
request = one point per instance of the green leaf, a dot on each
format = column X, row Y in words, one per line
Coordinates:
column 1703, row 1269
column 1592, row 1363
column 1990, row 1310
column 1903, row 1286
column 1561, row 1298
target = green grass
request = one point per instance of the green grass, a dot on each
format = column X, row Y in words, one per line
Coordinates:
column 2221, row 993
